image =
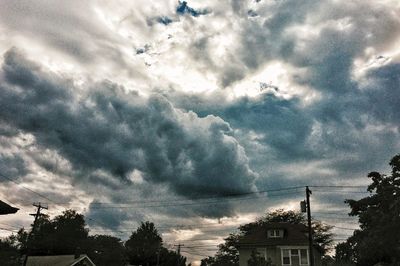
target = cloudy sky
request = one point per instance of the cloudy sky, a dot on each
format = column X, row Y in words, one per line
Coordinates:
column 133, row 110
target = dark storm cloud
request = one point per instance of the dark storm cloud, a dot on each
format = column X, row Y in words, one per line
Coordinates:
column 383, row 94
column 284, row 124
column 109, row 218
column 117, row 132
column 12, row 166
column 339, row 132
column 351, row 120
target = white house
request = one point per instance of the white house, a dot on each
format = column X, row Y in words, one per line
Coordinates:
column 283, row 244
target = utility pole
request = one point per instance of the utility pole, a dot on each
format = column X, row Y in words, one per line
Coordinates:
column 39, row 207
column 179, row 253
column 310, row 237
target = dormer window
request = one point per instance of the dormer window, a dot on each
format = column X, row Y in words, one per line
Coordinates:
column 275, row 233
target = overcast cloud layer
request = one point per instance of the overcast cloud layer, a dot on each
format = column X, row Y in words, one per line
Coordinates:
column 114, row 101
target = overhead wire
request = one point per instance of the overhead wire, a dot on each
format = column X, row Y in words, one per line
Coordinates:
column 221, row 196
column 26, row 188
column 39, row 194
column 232, row 196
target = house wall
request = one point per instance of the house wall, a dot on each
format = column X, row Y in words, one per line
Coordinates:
column 272, row 252
column 244, row 256
column 275, row 256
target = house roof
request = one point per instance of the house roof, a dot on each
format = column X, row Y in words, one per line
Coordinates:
column 294, row 234
column 61, row 260
column 7, row 209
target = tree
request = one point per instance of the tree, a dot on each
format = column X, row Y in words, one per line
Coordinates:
column 38, row 241
column 228, row 255
column 105, row 250
column 344, row 254
column 9, row 253
column 171, row 258
column 144, row 245
column 69, row 233
column 257, row 260
column 378, row 239
column 62, row 235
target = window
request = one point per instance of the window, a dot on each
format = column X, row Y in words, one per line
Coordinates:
column 303, row 257
column 294, row 256
column 286, row 257
column 275, row 233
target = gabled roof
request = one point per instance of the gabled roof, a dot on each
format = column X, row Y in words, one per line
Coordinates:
column 294, row 234
column 60, row 260
column 7, row 209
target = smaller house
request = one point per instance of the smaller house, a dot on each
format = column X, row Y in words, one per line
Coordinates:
column 281, row 244
column 6, row 209
column 60, row 260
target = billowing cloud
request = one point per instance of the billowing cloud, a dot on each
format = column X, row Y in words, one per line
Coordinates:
column 109, row 129
column 125, row 101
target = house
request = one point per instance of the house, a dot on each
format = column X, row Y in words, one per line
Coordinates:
column 60, row 260
column 283, row 244
column 6, row 209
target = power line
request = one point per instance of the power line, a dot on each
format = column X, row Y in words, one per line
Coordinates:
column 221, row 201
column 337, row 186
column 345, row 228
column 343, row 192
column 195, row 254
column 41, row 195
column 226, row 196
column 28, row 189
column 10, row 225
column 10, row 230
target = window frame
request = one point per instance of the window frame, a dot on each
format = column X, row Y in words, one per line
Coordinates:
column 298, row 249
column 275, row 233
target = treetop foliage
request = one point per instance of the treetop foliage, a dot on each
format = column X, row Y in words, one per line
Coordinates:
column 378, row 240
column 67, row 234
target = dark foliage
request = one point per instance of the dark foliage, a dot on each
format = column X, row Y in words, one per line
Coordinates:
column 378, row 240
column 228, row 255
column 144, row 247
column 9, row 253
column 62, row 235
column 105, row 250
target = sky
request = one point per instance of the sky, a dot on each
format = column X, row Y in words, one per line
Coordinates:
column 130, row 111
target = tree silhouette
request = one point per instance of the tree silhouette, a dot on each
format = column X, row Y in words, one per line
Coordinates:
column 144, row 245
column 378, row 240
column 105, row 250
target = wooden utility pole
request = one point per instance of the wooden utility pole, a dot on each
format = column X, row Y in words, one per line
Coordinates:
column 179, row 253
column 39, row 207
column 310, row 236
